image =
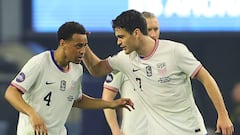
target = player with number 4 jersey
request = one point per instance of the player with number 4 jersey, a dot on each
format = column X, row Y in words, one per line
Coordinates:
column 53, row 91
column 49, row 85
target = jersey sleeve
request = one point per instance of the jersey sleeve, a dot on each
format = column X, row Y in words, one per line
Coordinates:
column 118, row 61
column 113, row 81
column 186, row 61
column 28, row 75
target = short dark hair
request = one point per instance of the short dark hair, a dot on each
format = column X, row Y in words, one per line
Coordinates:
column 130, row 20
column 66, row 31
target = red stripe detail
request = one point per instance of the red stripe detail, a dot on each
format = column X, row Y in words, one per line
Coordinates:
column 20, row 89
column 113, row 89
column 196, row 71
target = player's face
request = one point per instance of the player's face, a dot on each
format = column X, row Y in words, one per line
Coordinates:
column 125, row 40
column 75, row 48
column 153, row 28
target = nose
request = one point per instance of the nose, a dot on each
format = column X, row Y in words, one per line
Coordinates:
column 152, row 34
column 82, row 50
column 119, row 42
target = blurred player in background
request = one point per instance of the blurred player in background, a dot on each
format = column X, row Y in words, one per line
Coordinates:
column 132, row 123
column 160, row 72
column 49, row 85
column 235, row 114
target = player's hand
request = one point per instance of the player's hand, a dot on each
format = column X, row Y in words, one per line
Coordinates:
column 124, row 103
column 224, row 125
column 38, row 125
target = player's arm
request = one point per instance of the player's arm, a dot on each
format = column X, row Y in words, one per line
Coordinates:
column 94, row 64
column 14, row 97
column 111, row 115
column 87, row 102
column 224, row 123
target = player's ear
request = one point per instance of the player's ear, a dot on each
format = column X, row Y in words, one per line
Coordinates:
column 136, row 32
column 61, row 42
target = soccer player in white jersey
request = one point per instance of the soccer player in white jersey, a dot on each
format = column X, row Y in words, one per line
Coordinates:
column 49, row 85
column 160, row 72
column 132, row 123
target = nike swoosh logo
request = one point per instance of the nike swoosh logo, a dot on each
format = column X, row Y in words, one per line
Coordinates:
column 135, row 70
column 48, row 83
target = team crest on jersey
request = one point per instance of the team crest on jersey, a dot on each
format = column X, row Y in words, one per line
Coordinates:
column 63, row 84
column 20, row 77
column 149, row 71
column 109, row 78
column 162, row 68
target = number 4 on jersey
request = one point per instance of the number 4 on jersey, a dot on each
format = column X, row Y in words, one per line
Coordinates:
column 47, row 98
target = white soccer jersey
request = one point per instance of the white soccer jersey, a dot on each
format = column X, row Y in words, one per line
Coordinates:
column 49, row 90
column 162, row 81
column 134, row 122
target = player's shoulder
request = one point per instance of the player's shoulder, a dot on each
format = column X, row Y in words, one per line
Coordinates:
column 39, row 58
column 170, row 43
column 122, row 56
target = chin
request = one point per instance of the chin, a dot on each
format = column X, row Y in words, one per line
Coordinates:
column 127, row 52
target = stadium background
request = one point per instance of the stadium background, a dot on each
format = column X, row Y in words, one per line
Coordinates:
column 218, row 52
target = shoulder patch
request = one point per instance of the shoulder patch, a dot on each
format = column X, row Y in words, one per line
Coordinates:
column 20, row 77
column 109, row 78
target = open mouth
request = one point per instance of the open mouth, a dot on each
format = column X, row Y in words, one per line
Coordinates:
column 79, row 58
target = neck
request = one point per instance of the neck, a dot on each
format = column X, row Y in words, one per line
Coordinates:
column 60, row 59
column 146, row 47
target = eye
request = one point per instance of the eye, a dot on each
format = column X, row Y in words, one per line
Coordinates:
column 80, row 45
column 119, row 36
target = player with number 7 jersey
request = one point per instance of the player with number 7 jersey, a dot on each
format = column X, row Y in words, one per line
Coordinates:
column 161, row 73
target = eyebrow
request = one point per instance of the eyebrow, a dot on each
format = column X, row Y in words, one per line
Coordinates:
column 120, row 36
column 81, row 44
column 153, row 28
